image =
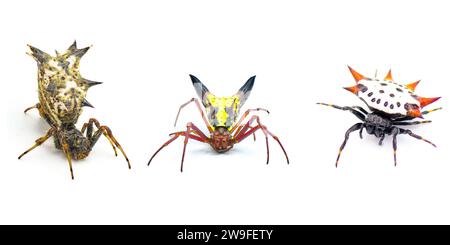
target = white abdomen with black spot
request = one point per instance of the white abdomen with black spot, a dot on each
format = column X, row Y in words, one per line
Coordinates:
column 386, row 96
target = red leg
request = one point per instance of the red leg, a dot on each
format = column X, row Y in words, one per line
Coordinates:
column 238, row 124
column 246, row 131
column 199, row 109
column 240, row 128
column 196, row 130
column 190, row 127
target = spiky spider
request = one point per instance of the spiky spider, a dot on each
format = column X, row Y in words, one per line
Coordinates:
column 221, row 121
column 391, row 105
column 62, row 94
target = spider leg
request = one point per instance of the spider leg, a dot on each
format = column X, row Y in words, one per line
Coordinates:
column 89, row 134
column 37, row 106
column 106, row 131
column 39, row 141
column 66, row 150
column 238, row 124
column 347, row 135
column 358, row 114
column 394, row 144
column 190, row 128
column 381, row 139
column 411, row 118
column 361, row 132
column 428, row 111
column 254, row 135
column 411, row 123
column 199, row 109
column 246, row 131
column 240, row 128
column 197, row 131
column 410, row 133
column 361, row 109
column 396, row 131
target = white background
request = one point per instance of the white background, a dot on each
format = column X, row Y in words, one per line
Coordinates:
column 143, row 51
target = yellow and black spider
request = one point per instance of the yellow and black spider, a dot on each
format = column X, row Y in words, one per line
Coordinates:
column 62, row 95
column 221, row 120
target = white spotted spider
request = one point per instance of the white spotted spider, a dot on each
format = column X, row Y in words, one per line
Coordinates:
column 391, row 105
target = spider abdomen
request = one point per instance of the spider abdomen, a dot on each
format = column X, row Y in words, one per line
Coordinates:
column 62, row 89
column 389, row 98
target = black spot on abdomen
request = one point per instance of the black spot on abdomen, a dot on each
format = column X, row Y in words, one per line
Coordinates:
column 362, row 88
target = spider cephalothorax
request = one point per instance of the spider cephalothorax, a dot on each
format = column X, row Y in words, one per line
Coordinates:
column 221, row 139
column 391, row 105
column 221, row 120
column 62, row 95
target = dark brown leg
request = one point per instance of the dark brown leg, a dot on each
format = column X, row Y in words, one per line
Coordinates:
column 355, row 112
column 347, row 135
column 408, row 132
column 394, row 144
column 37, row 106
column 411, row 123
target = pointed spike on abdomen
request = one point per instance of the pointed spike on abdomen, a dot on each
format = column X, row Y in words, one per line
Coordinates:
column 426, row 101
column 356, row 75
column 73, row 47
column 412, row 86
column 86, row 103
column 389, row 76
column 91, row 83
column 80, row 52
column 353, row 89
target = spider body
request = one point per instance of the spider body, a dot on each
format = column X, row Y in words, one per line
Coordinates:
column 62, row 95
column 221, row 119
column 377, row 125
column 390, row 104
